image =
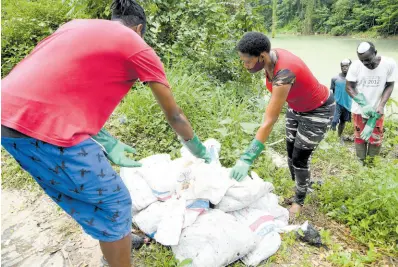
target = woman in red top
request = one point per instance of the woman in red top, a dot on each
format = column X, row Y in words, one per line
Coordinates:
column 310, row 109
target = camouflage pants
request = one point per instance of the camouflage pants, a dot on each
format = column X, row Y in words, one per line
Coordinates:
column 304, row 131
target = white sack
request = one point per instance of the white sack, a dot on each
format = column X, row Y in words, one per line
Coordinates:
column 215, row 239
column 183, row 220
column 156, row 160
column 170, row 226
column 204, row 181
column 160, row 174
column 267, row 246
column 140, row 192
column 243, row 193
column 169, row 217
column 212, row 145
column 148, row 219
column 269, row 203
column 194, row 209
column 264, row 226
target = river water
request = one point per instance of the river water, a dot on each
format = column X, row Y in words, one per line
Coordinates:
column 323, row 54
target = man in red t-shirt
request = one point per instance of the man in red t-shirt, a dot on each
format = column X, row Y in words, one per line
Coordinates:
column 55, row 102
column 310, row 109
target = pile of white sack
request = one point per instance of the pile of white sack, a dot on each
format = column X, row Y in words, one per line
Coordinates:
column 171, row 200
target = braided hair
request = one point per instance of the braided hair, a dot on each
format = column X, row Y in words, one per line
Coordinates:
column 129, row 12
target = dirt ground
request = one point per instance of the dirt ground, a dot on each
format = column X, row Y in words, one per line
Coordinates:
column 34, row 232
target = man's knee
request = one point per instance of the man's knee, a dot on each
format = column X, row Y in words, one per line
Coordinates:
column 301, row 157
column 299, row 163
column 289, row 148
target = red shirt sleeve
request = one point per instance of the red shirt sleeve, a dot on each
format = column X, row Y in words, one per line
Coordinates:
column 148, row 67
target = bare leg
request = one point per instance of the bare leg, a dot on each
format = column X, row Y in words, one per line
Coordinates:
column 117, row 253
column 294, row 211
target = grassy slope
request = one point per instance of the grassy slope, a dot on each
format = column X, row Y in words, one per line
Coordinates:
column 217, row 111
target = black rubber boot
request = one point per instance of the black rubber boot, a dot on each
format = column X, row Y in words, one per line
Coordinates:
column 373, row 151
column 361, row 150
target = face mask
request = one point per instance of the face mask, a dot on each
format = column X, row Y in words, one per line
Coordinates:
column 259, row 66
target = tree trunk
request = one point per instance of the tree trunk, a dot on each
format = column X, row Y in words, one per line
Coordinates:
column 274, row 18
column 309, row 11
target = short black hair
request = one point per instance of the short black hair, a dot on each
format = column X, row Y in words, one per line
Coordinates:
column 254, row 43
column 129, row 12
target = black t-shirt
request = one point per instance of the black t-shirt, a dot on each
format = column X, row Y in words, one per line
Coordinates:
column 8, row 132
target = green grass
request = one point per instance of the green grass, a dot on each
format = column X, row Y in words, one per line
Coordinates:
column 13, row 176
column 363, row 198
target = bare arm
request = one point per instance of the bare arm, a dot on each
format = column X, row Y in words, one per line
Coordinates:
column 351, row 88
column 333, row 85
column 278, row 98
column 172, row 111
column 385, row 96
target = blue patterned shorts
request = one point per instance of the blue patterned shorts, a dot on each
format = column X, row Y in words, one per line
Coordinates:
column 81, row 181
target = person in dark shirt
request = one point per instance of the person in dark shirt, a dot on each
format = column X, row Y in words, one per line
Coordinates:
column 342, row 113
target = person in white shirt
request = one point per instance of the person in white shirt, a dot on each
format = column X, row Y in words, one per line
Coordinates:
column 370, row 82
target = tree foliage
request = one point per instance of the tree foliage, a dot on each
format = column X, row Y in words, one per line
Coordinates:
column 340, row 17
column 274, row 17
column 24, row 24
column 203, row 31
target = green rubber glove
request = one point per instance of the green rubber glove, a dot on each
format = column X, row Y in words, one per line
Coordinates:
column 367, row 109
column 115, row 150
column 242, row 166
column 369, row 127
column 197, row 149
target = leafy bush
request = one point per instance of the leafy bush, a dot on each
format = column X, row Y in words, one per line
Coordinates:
column 295, row 26
column 24, row 24
column 338, row 31
column 390, row 144
column 365, row 198
column 204, row 32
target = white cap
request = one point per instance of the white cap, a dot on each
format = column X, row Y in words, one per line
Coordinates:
column 345, row 61
column 363, row 47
